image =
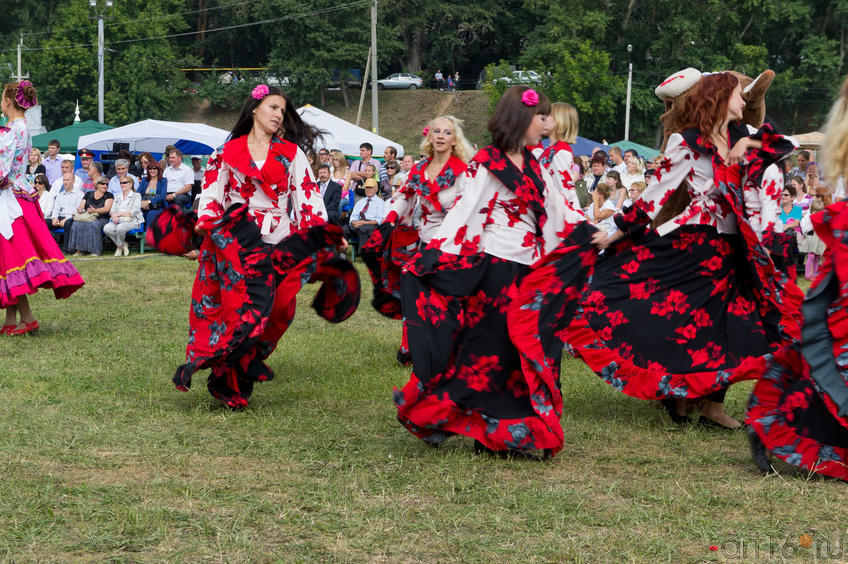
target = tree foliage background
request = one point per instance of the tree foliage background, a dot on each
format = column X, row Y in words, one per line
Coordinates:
column 580, row 43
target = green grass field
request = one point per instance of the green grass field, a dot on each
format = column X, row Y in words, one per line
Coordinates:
column 102, row 459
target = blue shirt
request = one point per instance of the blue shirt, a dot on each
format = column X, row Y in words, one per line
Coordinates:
column 797, row 213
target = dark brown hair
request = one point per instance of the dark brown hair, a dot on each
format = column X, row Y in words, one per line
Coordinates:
column 511, row 118
column 706, row 107
column 293, row 128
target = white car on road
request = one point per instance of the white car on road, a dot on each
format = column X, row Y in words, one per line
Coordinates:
column 401, row 80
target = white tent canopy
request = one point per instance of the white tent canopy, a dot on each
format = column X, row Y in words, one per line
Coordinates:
column 154, row 135
column 343, row 135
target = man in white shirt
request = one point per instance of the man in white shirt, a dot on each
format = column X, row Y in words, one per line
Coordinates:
column 406, row 165
column 618, row 163
column 180, row 178
column 49, row 196
column 122, row 168
column 65, row 206
column 366, row 214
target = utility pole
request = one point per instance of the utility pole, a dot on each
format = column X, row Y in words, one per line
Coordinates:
column 629, row 83
column 100, row 13
column 364, row 86
column 21, row 76
column 375, row 127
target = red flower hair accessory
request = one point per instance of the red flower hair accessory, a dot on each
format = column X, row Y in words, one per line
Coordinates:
column 425, row 132
column 20, row 96
column 530, row 98
column 260, row 92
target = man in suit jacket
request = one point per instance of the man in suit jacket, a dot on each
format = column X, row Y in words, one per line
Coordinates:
column 332, row 193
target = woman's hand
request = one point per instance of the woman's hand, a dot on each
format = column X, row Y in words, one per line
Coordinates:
column 736, row 155
column 601, row 240
column 199, row 230
column 116, row 219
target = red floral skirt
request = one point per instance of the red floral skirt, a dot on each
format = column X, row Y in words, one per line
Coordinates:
column 243, row 298
column 799, row 407
column 469, row 377
column 673, row 316
column 783, row 250
column 31, row 259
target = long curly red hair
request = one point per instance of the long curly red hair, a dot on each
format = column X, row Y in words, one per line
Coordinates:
column 706, row 107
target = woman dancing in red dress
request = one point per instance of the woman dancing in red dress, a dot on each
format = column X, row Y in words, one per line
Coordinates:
column 416, row 213
column 264, row 234
column 469, row 377
column 798, row 411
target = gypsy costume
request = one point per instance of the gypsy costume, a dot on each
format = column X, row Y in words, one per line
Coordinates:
column 267, row 237
column 469, row 377
column 29, row 257
column 396, row 240
column 799, row 407
column 685, row 309
column 558, row 160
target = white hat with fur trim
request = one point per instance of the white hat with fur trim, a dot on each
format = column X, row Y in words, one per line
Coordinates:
column 677, row 84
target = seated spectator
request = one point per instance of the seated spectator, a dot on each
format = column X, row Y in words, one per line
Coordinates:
column 370, row 172
column 790, row 212
column 324, row 156
column 67, row 166
column 634, row 193
column 180, row 179
column 34, row 167
column 65, row 203
column 122, row 170
column 406, row 164
column 800, row 197
column 341, row 176
column 144, row 159
column 602, row 209
column 387, row 186
column 96, row 172
column 390, row 154
column 330, row 191
column 92, row 215
column 635, row 171
column 125, row 215
column 617, row 190
column 86, row 159
column 358, row 173
column 199, row 171
column 153, row 189
column 597, row 171
column 43, row 188
column 367, row 213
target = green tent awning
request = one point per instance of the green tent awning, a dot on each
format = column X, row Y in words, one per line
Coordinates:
column 69, row 135
column 645, row 152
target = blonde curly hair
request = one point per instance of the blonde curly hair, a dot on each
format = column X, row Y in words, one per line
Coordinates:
column 834, row 150
column 462, row 150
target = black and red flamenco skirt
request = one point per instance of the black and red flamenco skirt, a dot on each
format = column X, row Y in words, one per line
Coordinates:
column 243, row 298
column 673, row 316
column 783, row 250
column 31, row 259
column 385, row 253
column 469, row 377
column 799, row 407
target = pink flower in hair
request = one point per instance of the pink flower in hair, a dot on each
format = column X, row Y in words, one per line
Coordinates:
column 530, row 98
column 260, row 92
column 425, row 132
column 20, row 96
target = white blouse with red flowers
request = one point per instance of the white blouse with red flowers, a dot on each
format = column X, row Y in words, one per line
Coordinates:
column 762, row 202
column 487, row 217
column 281, row 196
column 434, row 196
column 685, row 165
column 559, row 162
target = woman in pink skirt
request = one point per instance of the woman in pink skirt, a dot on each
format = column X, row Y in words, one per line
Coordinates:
column 29, row 257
